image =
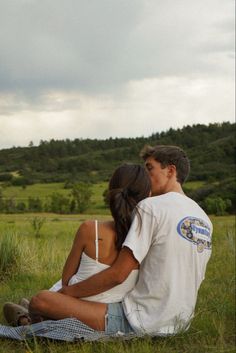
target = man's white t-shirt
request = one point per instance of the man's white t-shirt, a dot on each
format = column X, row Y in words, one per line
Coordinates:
column 173, row 246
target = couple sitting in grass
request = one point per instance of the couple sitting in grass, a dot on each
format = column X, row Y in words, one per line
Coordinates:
column 141, row 272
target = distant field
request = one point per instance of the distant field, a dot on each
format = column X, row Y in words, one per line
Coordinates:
column 40, row 263
column 43, row 191
column 194, row 184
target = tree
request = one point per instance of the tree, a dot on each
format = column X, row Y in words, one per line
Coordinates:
column 59, row 203
column 35, row 204
column 81, row 194
column 216, row 205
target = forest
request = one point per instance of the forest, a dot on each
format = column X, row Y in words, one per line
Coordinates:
column 211, row 150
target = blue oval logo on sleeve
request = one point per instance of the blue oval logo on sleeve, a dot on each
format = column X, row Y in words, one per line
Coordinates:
column 196, row 231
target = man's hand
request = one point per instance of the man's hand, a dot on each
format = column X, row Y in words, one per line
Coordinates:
column 64, row 290
column 104, row 280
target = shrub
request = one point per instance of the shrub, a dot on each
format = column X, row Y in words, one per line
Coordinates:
column 68, row 184
column 59, row 203
column 35, row 204
column 21, row 206
column 37, row 223
column 19, row 181
column 10, row 205
column 216, row 205
column 81, row 193
column 5, row 177
column 105, row 197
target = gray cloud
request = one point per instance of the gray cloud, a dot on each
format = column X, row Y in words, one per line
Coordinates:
column 74, row 68
column 96, row 46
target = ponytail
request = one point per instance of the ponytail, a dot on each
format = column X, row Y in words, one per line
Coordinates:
column 129, row 184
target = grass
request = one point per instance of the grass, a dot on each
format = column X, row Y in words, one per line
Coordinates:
column 212, row 329
column 193, row 185
column 43, row 191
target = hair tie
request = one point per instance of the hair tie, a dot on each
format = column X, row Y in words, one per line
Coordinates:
column 124, row 193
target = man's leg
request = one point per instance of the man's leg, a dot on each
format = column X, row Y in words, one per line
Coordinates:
column 57, row 306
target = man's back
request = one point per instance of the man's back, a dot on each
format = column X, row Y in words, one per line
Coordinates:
column 173, row 247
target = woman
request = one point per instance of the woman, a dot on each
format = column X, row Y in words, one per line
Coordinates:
column 97, row 244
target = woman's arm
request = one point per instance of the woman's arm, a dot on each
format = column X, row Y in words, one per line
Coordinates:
column 73, row 259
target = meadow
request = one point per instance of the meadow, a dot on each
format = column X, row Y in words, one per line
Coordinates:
column 43, row 191
column 30, row 262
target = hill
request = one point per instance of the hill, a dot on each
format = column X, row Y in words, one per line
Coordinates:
column 211, row 149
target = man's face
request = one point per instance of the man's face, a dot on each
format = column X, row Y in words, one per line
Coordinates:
column 159, row 176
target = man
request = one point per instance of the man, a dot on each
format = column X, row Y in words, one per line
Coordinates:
column 172, row 245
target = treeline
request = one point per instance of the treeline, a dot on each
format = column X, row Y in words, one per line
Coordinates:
column 211, row 149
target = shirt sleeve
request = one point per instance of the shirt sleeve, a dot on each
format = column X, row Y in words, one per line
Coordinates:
column 141, row 233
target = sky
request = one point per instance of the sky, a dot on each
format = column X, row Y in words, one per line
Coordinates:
column 113, row 68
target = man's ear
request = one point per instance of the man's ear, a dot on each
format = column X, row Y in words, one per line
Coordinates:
column 171, row 170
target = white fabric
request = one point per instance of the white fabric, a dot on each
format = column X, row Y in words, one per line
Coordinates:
column 88, row 267
column 173, row 247
column 96, row 240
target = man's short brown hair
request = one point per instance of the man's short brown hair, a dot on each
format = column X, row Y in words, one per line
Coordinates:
column 167, row 155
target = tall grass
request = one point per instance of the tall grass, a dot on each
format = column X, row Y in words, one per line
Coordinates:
column 212, row 329
column 15, row 255
column 9, row 254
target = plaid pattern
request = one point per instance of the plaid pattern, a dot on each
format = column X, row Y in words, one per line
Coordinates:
column 63, row 330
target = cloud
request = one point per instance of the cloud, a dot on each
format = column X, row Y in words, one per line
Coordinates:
column 145, row 107
column 104, row 68
column 96, row 46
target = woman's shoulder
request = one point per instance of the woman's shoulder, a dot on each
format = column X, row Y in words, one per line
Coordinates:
column 90, row 224
column 88, row 228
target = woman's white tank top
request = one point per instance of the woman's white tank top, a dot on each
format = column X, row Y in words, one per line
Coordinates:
column 89, row 267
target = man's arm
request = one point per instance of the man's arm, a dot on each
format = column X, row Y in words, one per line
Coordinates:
column 106, row 279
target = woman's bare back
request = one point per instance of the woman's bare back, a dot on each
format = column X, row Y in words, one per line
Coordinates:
column 107, row 252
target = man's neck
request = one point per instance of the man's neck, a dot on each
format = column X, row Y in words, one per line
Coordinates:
column 175, row 187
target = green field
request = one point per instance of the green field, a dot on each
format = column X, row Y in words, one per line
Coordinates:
column 40, row 262
column 43, row 191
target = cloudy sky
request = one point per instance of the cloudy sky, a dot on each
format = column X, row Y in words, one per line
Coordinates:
column 113, row 68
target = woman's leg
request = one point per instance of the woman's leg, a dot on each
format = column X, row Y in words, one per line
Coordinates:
column 57, row 306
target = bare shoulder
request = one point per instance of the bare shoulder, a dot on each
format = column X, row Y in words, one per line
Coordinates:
column 87, row 230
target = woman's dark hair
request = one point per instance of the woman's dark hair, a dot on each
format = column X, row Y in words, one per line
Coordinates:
column 128, row 185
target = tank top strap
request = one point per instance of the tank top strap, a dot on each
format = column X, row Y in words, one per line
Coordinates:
column 96, row 239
